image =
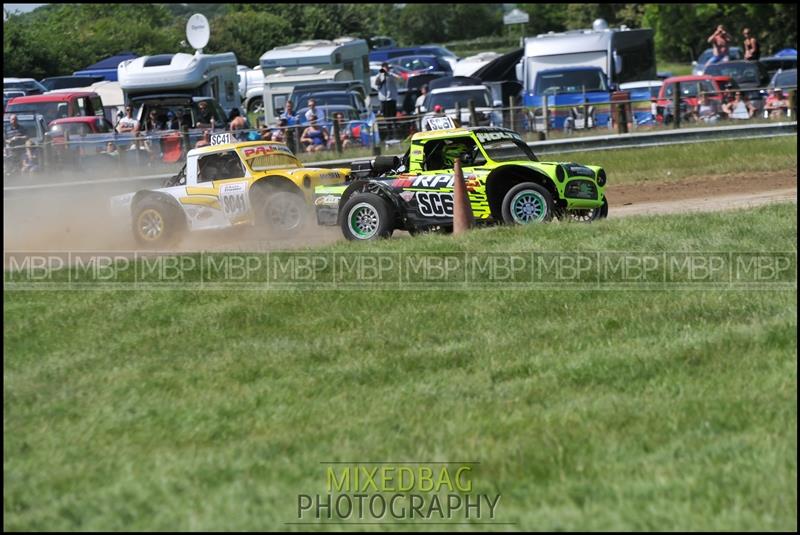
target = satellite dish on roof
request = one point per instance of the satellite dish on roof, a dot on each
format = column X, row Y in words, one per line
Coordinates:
column 197, row 31
column 599, row 25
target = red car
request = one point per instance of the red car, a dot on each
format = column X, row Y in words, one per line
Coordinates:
column 691, row 87
column 55, row 105
column 77, row 127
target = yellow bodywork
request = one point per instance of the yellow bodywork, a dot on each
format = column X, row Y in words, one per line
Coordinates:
column 263, row 161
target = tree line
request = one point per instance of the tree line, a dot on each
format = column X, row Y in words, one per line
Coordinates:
column 58, row 39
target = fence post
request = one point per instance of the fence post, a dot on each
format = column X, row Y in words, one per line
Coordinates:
column 511, row 103
column 546, row 124
column 792, row 103
column 622, row 120
column 336, row 137
column 47, row 153
column 473, row 120
column 585, row 114
column 676, row 106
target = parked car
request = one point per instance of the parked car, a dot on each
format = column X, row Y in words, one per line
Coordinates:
column 68, row 82
column 28, row 85
column 784, row 79
column 774, row 64
column 350, row 113
column 334, row 98
column 450, row 98
column 699, row 66
column 408, row 66
column 79, row 126
column 57, row 105
column 643, row 96
column 750, row 76
column 691, row 87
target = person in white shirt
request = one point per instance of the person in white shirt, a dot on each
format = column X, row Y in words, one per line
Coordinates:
column 128, row 123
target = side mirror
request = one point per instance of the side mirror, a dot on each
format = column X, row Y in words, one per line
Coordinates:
column 617, row 62
column 518, row 70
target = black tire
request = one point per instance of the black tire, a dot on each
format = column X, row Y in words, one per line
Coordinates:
column 157, row 223
column 527, row 203
column 366, row 216
column 280, row 211
column 587, row 216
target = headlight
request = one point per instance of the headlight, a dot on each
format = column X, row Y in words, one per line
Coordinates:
column 601, row 178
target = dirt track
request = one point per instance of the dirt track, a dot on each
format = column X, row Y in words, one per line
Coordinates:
column 77, row 221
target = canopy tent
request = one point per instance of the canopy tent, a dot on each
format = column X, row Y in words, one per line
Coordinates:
column 107, row 67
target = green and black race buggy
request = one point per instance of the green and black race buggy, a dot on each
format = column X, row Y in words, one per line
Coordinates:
column 504, row 179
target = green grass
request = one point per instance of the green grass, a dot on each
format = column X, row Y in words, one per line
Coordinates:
column 676, row 162
column 588, row 410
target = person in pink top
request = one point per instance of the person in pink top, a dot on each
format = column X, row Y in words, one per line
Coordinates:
column 719, row 43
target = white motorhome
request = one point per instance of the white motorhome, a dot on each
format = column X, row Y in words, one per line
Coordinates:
column 345, row 58
column 623, row 54
column 200, row 75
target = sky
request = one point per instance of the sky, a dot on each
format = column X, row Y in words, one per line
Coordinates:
column 23, row 8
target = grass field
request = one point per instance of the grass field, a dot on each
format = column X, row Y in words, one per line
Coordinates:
column 587, row 410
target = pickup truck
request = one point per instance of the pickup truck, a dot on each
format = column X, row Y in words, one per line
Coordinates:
column 570, row 93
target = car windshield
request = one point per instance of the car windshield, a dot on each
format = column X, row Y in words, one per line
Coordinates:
column 335, row 99
column 507, row 150
column 25, row 86
column 741, row 72
column 413, row 63
column 691, row 89
column 569, row 82
column 50, row 110
column 448, row 100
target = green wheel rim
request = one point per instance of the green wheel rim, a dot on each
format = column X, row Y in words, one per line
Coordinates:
column 528, row 206
column 363, row 220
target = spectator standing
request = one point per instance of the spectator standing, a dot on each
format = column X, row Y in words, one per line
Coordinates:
column 719, row 40
column 314, row 111
column 344, row 132
column 128, row 123
column 205, row 119
column 153, row 124
column 423, row 92
column 288, row 114
column 776, row 104
column 13, row 130
column 315, row 138
column 752, row 50
column 387, row 93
